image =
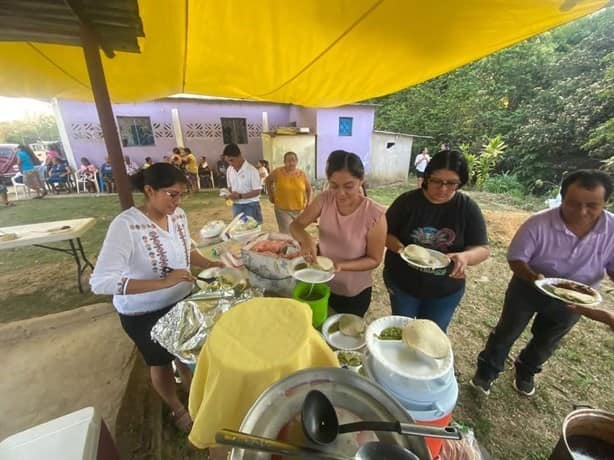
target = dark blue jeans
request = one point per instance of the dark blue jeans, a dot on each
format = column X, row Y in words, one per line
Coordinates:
column 439, row 309
column 249, row 209
column 552, row 321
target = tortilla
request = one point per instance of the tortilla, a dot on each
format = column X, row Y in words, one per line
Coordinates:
column 425, row 336
column 573, row 296
column 325, row 263
column 8, row 236
column 417, row 254
column 351, row 325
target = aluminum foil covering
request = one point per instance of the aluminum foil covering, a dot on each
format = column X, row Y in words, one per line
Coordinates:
column 185, row 328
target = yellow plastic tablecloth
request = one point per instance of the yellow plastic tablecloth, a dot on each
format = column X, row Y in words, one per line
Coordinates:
column 252, row 346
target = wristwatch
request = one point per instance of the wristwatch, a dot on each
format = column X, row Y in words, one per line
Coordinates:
column 240, row 196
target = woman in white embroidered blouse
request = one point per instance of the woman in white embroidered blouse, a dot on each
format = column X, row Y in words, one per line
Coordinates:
column 140, row 244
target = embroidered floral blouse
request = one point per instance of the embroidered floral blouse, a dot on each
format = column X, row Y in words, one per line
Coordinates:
column 136, row 248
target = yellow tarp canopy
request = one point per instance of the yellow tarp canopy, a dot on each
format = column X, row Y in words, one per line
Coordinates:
column 311, row 53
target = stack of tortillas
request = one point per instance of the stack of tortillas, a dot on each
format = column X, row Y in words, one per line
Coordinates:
column 572, row 295
column 426, row 337
column 351, row 325
column 417, row 254
column 324, row 263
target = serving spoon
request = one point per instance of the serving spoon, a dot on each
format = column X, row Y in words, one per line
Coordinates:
column 321, row 426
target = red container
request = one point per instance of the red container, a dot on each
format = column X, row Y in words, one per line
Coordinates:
column 435, row 444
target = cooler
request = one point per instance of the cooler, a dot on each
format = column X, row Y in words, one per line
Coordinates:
column 81, row 435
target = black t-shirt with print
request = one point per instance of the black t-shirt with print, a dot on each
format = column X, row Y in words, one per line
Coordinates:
column 447, row 227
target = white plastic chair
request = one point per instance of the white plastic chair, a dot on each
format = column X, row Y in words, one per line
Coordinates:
column 206, row 178
column 81, row 181
column 19, row 186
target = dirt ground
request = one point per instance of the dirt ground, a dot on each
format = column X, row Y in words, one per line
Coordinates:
column 509, row 426
column 59, row 363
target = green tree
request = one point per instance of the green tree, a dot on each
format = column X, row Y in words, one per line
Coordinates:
column 28, row 131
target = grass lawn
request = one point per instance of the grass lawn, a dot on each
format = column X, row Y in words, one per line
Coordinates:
column 37, row 282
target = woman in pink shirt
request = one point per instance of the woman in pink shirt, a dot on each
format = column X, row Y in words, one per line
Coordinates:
column 352, row 232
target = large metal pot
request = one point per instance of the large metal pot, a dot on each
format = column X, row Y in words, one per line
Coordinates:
column 588, row 434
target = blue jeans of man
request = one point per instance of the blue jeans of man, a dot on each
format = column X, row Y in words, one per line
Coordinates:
column 552, row 321
column 438, row 309
column 249, row 209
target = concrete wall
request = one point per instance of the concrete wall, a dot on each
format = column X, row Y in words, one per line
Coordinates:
column 389, row 164
column 328, row 133
column 304, row 117
column 200, row 126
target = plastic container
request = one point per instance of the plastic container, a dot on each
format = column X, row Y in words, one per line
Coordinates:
column 316, row 296
column 434, row 412
column 403, row 370
column 74, row 436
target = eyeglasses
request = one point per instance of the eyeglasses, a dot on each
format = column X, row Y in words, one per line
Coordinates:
column 441, row 183
column 176, row 196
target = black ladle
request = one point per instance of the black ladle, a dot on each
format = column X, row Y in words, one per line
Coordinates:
column 321, row 426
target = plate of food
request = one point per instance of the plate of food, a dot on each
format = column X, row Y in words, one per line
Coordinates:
column 344, row 332
column 212, row 229
column 569, row 291
column 351, row 360
column 321, row 271
column 424, row 259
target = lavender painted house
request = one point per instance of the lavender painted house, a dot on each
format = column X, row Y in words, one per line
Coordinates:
column 152, row 129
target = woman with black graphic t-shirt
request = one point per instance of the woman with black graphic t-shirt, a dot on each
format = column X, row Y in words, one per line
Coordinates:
column 438, row 217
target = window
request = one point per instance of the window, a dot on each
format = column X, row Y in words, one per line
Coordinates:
column 345, row 126
column 234, row 130
column 135, row 131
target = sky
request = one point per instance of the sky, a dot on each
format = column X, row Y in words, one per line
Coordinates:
column 19, row 108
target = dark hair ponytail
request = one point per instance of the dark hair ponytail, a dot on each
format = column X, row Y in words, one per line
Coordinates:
column 451, row 160
column 340, row 160
column 157, row 176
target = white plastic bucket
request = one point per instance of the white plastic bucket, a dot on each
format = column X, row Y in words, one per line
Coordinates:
column 403, row 371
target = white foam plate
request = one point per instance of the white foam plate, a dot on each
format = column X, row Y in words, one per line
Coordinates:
column 212, row 229
column 439, row 259
column 309, row 275
column 337, row 339
column 398, row 357
column 214, row 272
column 544, row 283
column 224, row 192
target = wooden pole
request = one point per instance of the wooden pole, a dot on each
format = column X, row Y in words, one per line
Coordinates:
column 89, row 41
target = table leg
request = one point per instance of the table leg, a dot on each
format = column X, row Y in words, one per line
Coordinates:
column 87, row 262
column 78, row 253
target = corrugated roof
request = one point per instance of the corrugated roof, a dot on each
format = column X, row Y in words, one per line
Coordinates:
column 116, row 22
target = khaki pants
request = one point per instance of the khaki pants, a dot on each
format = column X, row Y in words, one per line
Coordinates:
column 32, row 180
column 284, row 219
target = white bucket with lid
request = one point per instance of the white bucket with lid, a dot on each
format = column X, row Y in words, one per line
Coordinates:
column 405, row 372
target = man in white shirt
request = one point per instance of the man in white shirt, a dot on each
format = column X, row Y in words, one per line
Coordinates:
column 243, row 183
column 420, row 163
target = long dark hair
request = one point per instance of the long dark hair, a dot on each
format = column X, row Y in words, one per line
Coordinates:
column 157, row 176
column 28, row 150
column 451, row 160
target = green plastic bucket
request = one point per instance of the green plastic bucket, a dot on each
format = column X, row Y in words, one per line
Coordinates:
column 317, row 300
